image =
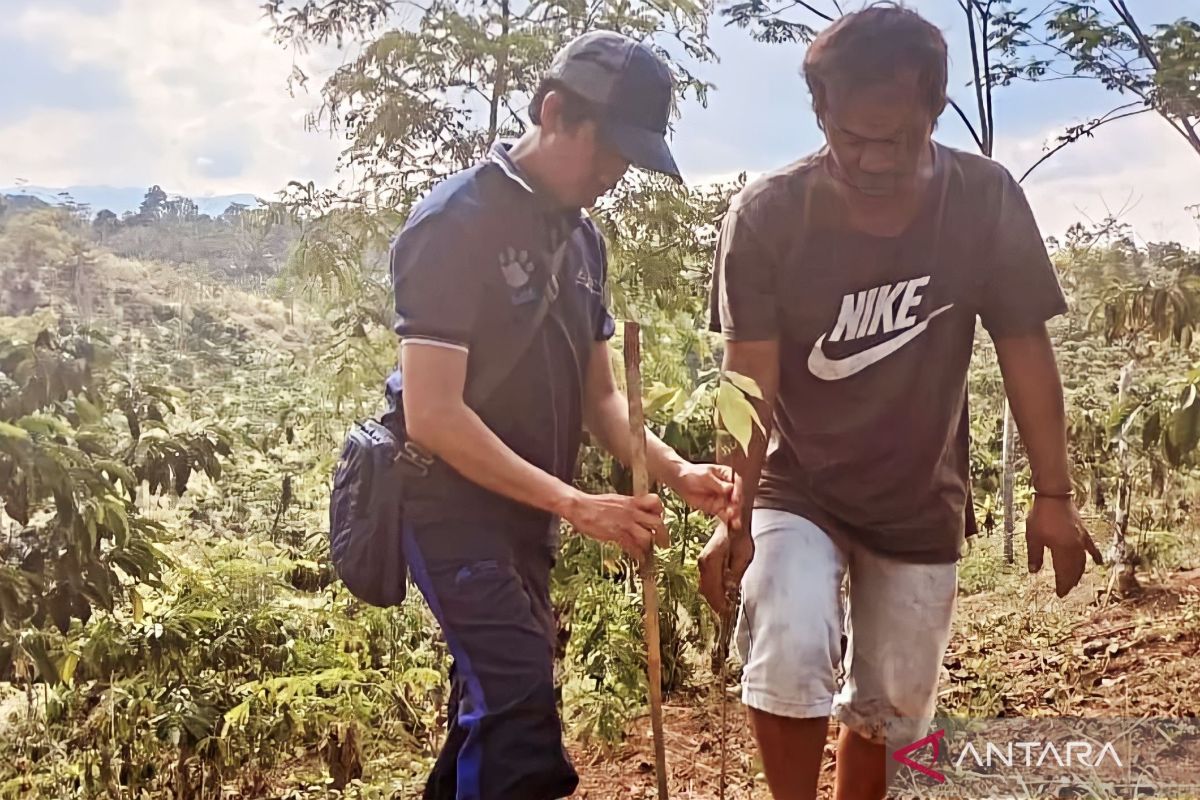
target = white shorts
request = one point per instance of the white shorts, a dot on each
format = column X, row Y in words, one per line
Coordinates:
column 793, row 614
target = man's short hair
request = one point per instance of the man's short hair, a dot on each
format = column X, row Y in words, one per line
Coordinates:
column 575, row 108
column 872, row 46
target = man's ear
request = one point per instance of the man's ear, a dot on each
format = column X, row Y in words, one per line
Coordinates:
column 551, row 112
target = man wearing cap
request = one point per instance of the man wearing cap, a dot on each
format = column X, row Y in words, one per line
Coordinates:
column 469, row 268
column 848, row 285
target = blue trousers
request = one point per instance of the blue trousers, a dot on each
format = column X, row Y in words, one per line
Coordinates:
column 493, row 605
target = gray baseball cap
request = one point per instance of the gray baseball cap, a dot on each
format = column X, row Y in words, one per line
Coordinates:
column 633, row 89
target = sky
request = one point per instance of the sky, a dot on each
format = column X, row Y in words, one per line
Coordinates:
column 192, row 95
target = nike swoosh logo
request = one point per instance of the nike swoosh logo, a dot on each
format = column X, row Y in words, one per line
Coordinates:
column 830, row 369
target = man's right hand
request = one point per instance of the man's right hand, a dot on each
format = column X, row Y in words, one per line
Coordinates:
column 634, row 523
column 722, row 565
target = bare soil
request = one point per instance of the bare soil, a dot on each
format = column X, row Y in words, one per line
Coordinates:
column 1090, row 655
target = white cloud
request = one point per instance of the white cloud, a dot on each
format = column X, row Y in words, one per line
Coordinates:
column 210, row 114
column 206, row 84
column 1137, row 168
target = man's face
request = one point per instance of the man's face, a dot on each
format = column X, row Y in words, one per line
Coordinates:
column 590, row 167
column 878, row 135
column 585, row 166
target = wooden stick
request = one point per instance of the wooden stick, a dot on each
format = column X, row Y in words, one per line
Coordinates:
column 641, row 486
column 726, row 630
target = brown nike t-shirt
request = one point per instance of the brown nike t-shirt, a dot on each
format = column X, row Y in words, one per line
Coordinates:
column 870, row 438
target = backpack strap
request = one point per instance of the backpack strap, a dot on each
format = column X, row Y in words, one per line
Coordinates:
column 493, row 373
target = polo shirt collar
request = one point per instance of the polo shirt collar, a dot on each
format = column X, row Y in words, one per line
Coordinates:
column 499, row 155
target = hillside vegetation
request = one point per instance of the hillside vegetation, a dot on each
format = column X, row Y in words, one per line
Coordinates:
column 174, row 388
column 170, row 625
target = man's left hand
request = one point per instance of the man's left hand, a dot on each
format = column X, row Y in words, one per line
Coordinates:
column 707, row 488
column 1055, row 524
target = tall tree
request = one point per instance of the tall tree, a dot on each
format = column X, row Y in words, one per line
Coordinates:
column 105, row 223
column 419, row 101
column 152, row 204
column 180, row 209
column 1158, row 66
column 1102, row 40
column 232, row 212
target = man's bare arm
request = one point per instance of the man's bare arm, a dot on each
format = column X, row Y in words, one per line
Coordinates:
column 437, row 418
column 1034, row 389
column 758, row 361
column 730, row 550
column 606, row 415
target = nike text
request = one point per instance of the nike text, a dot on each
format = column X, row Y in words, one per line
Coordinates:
column 883, row 309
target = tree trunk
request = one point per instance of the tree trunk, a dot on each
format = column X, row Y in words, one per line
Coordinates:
column 1122, row 555
column 1008, row 459
column 183, row 789
column 500, row 87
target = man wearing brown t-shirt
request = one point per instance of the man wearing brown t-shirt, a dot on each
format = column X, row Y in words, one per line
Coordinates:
column 847, row 285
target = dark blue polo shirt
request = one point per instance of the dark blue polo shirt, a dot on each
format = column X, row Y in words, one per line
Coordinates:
column 468, row 269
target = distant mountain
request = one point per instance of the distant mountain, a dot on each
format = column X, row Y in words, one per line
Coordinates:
column 21, row 202
column 122, row 199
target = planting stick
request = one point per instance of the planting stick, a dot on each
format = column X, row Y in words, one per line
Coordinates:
column 641, row 485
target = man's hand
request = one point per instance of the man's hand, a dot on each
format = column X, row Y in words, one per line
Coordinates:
column 707, row 488
column 1055, row 523
column 722, row 565
column 634, row 523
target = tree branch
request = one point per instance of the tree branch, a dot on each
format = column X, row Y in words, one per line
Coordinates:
column 500, row 87
column 971, row 128
column 1084, row 131
column 984, row 123
column 1143, row 43
column 820, row 14
column 1184, row 128
column 984, row 15
column 1042, row 13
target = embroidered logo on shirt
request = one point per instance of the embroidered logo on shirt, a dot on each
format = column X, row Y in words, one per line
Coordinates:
column 516, row 267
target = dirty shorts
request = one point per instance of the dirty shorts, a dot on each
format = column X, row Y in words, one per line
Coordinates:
column 895, row 615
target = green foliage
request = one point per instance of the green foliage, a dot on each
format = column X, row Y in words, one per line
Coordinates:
column 661, row 237
column 70, row 474
column 175, row 645
column 153, row 205
column 243, row 245
column 735, row 412
column 214, row 651
column 1158, row 66
column 423, row 100
column 1163, row 307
